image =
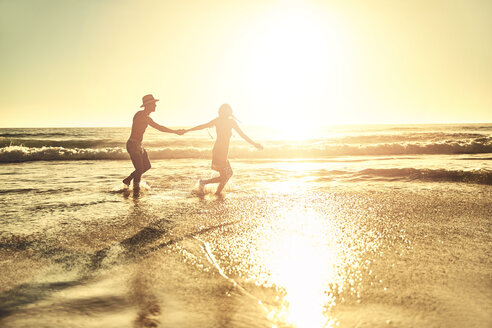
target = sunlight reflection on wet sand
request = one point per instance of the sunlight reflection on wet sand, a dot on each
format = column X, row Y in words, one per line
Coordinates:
column 309, row 251
column 303, row 252
column 301, row 259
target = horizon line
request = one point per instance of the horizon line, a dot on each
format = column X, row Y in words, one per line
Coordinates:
column 252, row 125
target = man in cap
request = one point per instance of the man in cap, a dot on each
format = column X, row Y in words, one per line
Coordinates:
column 139, row 156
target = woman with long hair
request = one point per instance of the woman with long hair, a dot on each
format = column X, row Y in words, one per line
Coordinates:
column 223, row 125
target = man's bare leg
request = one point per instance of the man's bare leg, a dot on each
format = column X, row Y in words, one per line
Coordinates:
column 142, row 164
column 129, row 179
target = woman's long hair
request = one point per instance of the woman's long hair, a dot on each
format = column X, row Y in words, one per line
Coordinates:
column 226, row 111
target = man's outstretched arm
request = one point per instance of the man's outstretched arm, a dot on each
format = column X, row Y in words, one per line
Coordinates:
column 163, row 128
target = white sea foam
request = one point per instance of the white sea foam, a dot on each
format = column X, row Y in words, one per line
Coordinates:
column 22, row 153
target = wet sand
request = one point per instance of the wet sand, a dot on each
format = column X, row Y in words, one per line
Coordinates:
column 286, row 254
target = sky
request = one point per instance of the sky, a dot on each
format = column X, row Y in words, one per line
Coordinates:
column 292, row 63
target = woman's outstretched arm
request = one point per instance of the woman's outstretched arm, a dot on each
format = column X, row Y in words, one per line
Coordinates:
column 202, row 126
column 245, row 137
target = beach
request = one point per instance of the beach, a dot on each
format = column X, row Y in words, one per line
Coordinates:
column 376, row 226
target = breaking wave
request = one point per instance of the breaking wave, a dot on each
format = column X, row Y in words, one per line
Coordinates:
column 71, row 143
column 321, row 149
column 22, row 134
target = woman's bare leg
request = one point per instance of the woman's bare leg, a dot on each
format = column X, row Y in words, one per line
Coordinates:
column 222, row 179
column 225, row 175
column 221, row 185
column 212, row 180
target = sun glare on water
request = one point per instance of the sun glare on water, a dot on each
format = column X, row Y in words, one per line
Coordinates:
column 299, row 131
column 302, row 268
column 301, row 259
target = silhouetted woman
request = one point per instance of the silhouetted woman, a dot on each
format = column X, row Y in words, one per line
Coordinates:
column 223, row 125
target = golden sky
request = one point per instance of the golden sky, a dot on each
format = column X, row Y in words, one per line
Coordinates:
column 89, row 62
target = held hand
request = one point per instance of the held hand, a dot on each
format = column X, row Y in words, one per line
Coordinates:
column 180, row 132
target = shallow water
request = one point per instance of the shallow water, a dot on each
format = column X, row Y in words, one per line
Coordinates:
column 282, row 248
column 341, row 241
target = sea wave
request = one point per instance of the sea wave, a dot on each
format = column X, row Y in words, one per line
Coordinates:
column 108, row 140
column 99, row 143
column 70, row 143
column 414, row 137
column 35, row 190
column 481, row 176
column 322, row 149
column 23, row 134
column 17, row 153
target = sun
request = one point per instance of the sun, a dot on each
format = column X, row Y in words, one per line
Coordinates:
column 296, row 68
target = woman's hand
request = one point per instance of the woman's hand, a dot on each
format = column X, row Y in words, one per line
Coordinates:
column 258, row 146
column 181, row 132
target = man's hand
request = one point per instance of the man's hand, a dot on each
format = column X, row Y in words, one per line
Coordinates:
column 180, row 132
column 258, row 146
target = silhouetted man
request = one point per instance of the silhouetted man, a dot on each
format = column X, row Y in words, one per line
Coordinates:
column 139, row 156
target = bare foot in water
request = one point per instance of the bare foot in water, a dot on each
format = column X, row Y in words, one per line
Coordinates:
column 219, row 195
column 127, row 181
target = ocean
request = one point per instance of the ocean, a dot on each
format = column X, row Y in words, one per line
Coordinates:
column 343, row 226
